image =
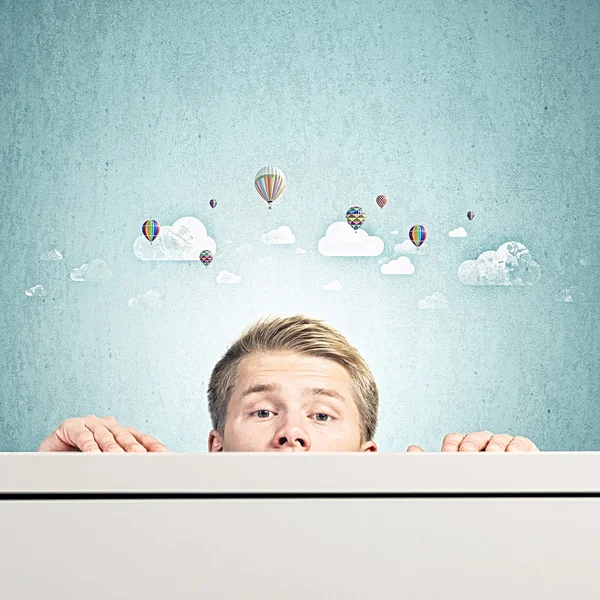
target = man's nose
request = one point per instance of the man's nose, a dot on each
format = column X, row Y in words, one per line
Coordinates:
column 292, row 436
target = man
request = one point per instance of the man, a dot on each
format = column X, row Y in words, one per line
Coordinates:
column 265, row 393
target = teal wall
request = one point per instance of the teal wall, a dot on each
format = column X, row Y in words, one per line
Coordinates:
column 115, row 112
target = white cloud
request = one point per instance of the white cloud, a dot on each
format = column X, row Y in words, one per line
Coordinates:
column 333, row 286
column 184, row 240
column 407, row 247
column 395, row 232
column 95, row 270
column 511, row 264
column 51, row 255
column 342, row 240
column 572, row 294
column 400, row 266
column 36, row 290
column 300, row 251
column 433, row 302
column 227, row 277
column 458, row 232
column 149, row 299
column 283, row 235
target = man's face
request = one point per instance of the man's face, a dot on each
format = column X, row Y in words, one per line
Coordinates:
column 291, row 403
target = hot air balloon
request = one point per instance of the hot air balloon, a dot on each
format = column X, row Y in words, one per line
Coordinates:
column 270, row 183
column 213, row 203
column 417, row 234
column 470, row 215
column 150, row 229
column 355, row 217
column 381, row 201
column 206, row 257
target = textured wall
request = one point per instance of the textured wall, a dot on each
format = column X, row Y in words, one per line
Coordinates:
column 115, row 112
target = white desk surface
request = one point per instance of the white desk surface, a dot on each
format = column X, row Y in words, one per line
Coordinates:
column 309, row 473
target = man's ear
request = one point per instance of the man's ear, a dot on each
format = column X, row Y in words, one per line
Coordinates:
column 370, row 446
column 215, row 444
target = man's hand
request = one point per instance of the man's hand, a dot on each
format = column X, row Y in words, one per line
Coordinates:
column 94, row 434
column 483, row 441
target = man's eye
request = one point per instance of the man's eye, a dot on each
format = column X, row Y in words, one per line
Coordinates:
column 262, row 410
column 325, row 415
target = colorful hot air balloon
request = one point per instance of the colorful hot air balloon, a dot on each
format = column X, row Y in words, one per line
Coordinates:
column 150, row 229
column 213, row 203
column 470, row 215
column 270, row 183
column 417, row 234
column 355, row 217
column 381, row 201
column 206, row 257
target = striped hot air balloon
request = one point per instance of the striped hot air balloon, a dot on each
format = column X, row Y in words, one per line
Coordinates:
column 470, row 215
column 270, row 183
column 355, row 217
column 150, row 229
column 213, row 203
column 417, row 234
column 381, row 201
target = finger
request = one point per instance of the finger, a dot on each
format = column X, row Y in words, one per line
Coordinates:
column 148, row 442
column 102, row 435
column 451, row 442
column 76, row 434
column 499, row 442
column 475, row 442
column 414, row 448
column 521, row 444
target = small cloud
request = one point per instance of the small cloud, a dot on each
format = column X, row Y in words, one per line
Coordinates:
column 147, row 300
column 51, row 255
column 395, row 232
column 36, row 290
column 458, row 232
column 436, row 301
column 511, row 264
column 341, row 240
column 95, row 270
column 300, row 251
column 283, row 235
column 333, row 286
column 407, row 247
column 184, row 240
column 227, row 277
column 400, row 266
column 569, row 295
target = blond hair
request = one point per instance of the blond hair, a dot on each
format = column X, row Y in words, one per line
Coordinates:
column 303, row 335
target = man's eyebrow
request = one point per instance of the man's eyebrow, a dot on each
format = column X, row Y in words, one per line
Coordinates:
column 310, row 391
column 324, row 392
column 262, row 387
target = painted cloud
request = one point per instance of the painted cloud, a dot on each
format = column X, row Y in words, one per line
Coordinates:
column 184, row 240
column 36, row 290
column 400, row 266
column 511, row 264
column 407, row 247
column 95, row 270
column 149, row 299
column 459, row 232
column 283, row 235
column 435, row 301
column 342, row 240
column 333, row 286
column 227, row 277
column 51, row 255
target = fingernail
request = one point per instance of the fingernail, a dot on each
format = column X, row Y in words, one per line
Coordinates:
column 468, row 446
